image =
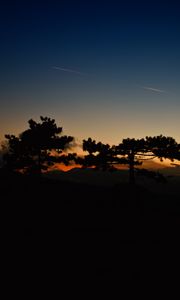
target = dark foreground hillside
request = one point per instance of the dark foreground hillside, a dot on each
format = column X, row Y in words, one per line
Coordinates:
column 122, row 232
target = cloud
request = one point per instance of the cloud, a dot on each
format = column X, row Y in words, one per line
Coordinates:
column 68, row 70
column 153, row 89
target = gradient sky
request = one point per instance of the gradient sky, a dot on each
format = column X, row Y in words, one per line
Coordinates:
column 105, row 69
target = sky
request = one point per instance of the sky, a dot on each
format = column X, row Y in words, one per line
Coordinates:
column 103, row 69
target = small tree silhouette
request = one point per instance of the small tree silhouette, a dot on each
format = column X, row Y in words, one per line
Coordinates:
column 32, row 150
column 101, row 156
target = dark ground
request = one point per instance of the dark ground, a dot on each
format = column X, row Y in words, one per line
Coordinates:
column 122, row 232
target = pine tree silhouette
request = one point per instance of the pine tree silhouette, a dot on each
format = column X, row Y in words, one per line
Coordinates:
column 32, row 150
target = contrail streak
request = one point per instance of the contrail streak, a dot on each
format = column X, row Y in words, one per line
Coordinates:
column 68, row 70
column 153, row 89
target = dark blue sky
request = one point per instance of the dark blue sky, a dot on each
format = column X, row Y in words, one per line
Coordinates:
column 106, row 69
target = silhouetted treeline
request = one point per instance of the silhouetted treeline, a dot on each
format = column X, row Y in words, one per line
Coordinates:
column 131, row 152
column 42, row 145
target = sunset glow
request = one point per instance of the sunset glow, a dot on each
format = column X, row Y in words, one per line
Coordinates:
column 102, row 71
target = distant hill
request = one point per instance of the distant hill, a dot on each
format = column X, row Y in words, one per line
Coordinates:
column 90, row 176
column 109, row 179
column 160, row 166
column 174, row 171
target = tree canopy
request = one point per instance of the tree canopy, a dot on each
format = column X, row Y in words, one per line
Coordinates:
column 131, row 152
column 101, row 156
column 32, row 149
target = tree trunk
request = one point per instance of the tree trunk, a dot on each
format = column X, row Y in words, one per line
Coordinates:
column 131, row 169
column 39, row 161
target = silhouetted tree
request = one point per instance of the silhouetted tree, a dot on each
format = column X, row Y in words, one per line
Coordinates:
column 137, row 151
column 131, row 152
column 100, row 156
column 163, row 147
column 37, row 147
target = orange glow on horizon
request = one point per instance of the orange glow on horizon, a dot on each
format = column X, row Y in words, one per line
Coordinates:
column 156, row 164
column 64, row 168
